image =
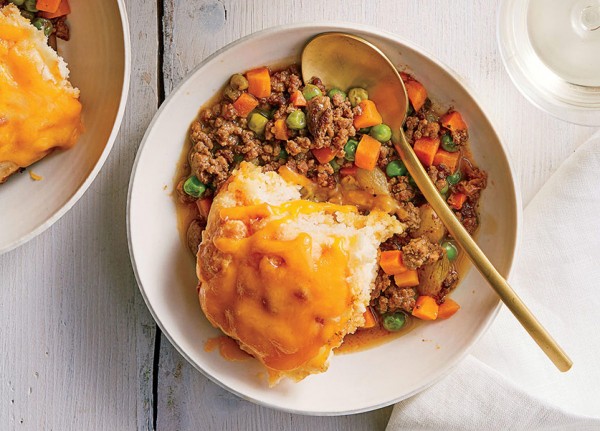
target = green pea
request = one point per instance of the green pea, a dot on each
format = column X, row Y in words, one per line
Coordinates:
column 350, row 149
column 283, row 154
column 17, row 2
column 364, row 130
column 335, row 91
column 296, row 120
column 311, row 91
column 413, row 183
column 450, row 249
column 231, row 93
column 410, row 110
column 454, row 178
column 335, row 165
column 448, row 144
column 257, row 123
column 265, row 113
column 444, row 190
column 394, row 322
column 28, row 15
column 381, row 132
column 357, row 95
column 43, row 24
column 395, row 168
column 30, row 5
column 194, row 187
column 238, row 158
column 238, row 82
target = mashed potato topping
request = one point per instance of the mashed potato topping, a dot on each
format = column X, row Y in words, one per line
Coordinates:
column 39, row 109
column 287, row 278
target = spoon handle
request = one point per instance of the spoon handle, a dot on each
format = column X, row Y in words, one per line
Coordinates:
column 535, row 329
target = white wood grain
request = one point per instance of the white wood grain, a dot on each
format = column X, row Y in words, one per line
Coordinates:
column 76, row 338
column 461, row 34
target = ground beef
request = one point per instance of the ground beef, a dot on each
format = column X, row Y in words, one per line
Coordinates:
column 401, row 189
column 468, row 217
column 287, row 80
column 330, row 122
column 475, row 181
column 417, row 127
column 420, row 251
column 396, row 242
column 320, row 121
column 61, row 29
column 298, row 145
column 409, row 214
column 220, row 139
column 387, row 153
column 438, row 176
column 386, row 297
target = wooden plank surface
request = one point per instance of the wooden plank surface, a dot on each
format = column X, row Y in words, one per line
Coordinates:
column 76, row 339
column 461, row 34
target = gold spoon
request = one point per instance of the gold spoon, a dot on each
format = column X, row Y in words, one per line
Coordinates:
column 344, row 61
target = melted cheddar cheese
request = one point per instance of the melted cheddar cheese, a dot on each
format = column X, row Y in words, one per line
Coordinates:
column 274, row 296
column 287, row 278
column 39, row 110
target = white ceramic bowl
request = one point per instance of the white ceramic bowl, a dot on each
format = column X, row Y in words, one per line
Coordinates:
column 98, row 55
column 354, row 382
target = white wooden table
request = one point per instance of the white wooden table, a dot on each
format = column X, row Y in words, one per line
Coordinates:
column 78, row 348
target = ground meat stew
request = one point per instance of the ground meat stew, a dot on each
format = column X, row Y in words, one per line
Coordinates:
column 336, row 138
column 47, row 15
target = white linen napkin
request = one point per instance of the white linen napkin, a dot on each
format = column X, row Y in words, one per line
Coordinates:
column 507, row 382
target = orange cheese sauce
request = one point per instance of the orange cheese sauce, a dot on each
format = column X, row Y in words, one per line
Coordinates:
column 275, row 297
column 36, row 113
column 228, row 348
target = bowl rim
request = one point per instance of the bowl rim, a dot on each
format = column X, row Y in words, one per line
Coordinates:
column 320, row 27
column 105, row 152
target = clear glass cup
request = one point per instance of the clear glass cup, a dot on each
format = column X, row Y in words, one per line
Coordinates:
column 551, row 50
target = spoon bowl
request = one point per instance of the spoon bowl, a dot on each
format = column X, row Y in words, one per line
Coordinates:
column 344, row 61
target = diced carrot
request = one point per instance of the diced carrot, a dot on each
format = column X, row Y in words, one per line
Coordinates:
column 259, row 82
column 204, row 206
column 281, row 130
column 370, row 320
column 416, row 94
column 324, row 155
column 47, row 5
column 367, row 153
column 408, row 278
column 450, row 160
column 425, row 149
column 63, row 9
column 453, row 121
column 245, row 104
column 297, row 99
column 457, row 200
column 426, row 308
column 349, row 170
column 369, row 115
column 448, row 308
column 391, row 262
